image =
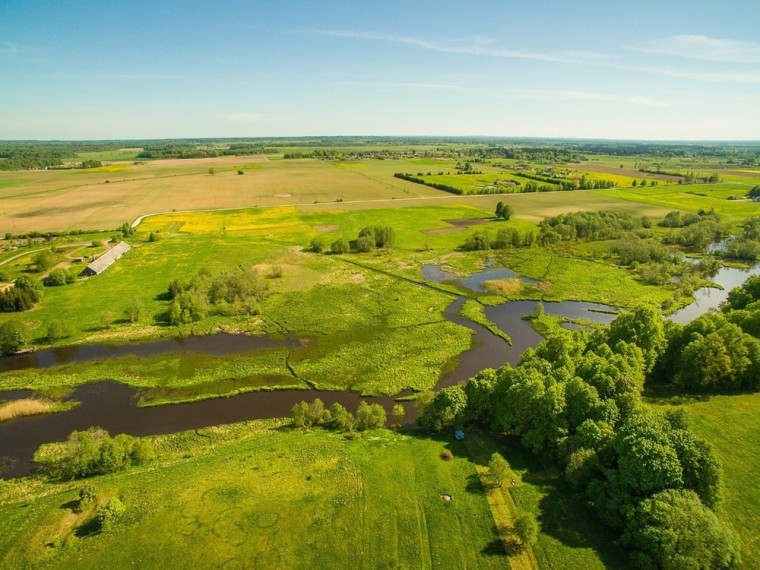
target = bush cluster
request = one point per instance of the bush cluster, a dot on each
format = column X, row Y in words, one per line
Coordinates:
column 337, row 417
column 575, row 399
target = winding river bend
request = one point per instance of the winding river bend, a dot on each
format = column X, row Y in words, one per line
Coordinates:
column 112, row 406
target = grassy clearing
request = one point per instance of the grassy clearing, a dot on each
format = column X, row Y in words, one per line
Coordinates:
column 260, row 494
column 569, row 534
column 693, row 198
column 732, row 425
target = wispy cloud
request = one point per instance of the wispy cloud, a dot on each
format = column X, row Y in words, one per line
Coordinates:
column 647, row 101
column 703, row 48
column 145, row 76
column 478, row 45
column 697, row 47
column 569, row 95
column 731, row 76
column 8, row 49
column 407, row 85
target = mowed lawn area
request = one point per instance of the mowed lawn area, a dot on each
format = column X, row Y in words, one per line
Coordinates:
column 732, row 425
column 264, row 495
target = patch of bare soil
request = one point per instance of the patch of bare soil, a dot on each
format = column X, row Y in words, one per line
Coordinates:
column 443, row 231
column 467, row 222
column 323, row 229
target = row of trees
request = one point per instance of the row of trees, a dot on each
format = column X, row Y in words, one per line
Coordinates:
column 337, row 417
column 599, row 225
column 504, row 238
column 576, row 400
column 369, row 239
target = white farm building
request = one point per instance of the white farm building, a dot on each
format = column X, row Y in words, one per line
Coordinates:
column 107, row 259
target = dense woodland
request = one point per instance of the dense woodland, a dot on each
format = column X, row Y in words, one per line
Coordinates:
column 575, row 399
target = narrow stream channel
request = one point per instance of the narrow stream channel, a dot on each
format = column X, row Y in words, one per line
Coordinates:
column 112, row 406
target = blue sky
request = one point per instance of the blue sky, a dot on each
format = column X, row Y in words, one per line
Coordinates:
column 643, row 70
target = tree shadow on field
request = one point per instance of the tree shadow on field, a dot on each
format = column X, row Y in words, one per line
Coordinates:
column 475, row 485
column 495, row 548
column 165, row 296
column 70, row 505
column 566, row 517
column 89, row 528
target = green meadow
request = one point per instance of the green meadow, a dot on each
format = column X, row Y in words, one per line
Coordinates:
column 265, row 494
column 731, row 423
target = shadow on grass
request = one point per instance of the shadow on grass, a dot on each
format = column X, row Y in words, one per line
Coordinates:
column 70, row 505
column 494, row 548
column 561, row 511
column 668, row 394
column 90, row 528
column 475, row 485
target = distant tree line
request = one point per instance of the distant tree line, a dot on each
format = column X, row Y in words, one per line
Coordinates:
column 600, row 225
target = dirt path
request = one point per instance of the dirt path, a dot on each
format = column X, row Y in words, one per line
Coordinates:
column 505, row 512
column 21, row 255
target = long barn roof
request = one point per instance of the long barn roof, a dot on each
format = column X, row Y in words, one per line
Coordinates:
column 109, row 257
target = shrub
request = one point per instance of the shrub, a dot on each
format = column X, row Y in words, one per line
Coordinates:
column 369, row 416
column 56, row 278
column 340, row 246
column 526, row 529
column 317, row 245
column 14, row 335
column 57, row 330
column 110, row 513
column 87, row 495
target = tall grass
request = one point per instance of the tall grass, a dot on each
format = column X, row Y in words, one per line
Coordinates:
column 24, row 407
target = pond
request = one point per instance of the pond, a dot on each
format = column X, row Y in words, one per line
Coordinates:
column 476, row 281
column 709, row 298
column 217, row 344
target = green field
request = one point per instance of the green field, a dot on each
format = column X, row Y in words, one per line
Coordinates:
column 732, row 425
column 358, row 308
column 264, row 494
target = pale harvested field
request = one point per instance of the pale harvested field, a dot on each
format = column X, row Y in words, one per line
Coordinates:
column 624, row 172
column 75, row 199
column 531, row 207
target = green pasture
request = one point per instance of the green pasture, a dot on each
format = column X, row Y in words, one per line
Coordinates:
column 263, row 493
column 362, row 309
column 692, row 197
column 731, row 423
